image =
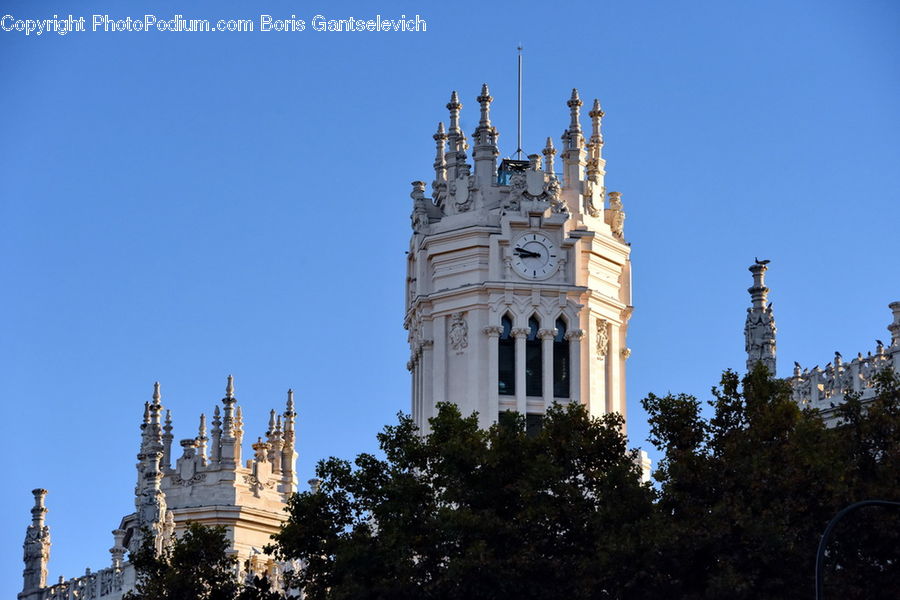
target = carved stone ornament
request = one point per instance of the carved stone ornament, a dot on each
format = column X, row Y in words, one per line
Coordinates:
column 197, row 478
column 518, row 332
column 256, row 486
column 626, row 352
column 459, row 332
column 617, row 220
column 602, row 338
column 547, row 334
column 493, row 331
column 589, row 206
column 574, row 334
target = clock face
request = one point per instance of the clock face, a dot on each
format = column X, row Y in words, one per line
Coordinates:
column 535, row 256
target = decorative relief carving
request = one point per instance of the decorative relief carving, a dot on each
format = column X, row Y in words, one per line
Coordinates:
column 256, row 486
column 626, row 352
column 459, row 332
column 574, row 334
column 493, row 331
column 519, row 332
column 602, row 338
column 547, row 334
column 197, row 478
column 617, row 220
column 589, row 206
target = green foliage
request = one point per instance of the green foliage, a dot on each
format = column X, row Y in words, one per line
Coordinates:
column 746, row 494
column 743, row 496
column 195, row 566
column 471, row 513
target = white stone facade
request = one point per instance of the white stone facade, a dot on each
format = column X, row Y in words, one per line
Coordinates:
column 208, row 484
column 519, row 266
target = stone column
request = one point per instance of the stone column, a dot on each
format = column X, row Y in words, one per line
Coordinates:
column 612, row 371
column 520, row 334
column 575, row 336
column 432, row 363
column 493, row 333
column 546, row 336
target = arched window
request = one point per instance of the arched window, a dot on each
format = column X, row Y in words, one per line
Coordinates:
column 506, row 376
column 533, row 361
column 560, row 361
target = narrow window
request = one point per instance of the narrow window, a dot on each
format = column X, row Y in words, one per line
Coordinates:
column 533, row 424
column 560, row 361
column 506, row 359
column 533, row 363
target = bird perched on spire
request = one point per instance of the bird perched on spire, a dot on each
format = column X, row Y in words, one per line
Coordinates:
column 761, row 262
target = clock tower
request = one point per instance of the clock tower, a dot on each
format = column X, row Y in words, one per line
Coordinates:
column 518, row 287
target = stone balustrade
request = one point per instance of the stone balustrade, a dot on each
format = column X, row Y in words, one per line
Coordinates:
column 825, row 388
column 105, row 583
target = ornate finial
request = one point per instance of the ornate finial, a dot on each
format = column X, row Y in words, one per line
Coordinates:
column 574, row 105
column 596, row 115
column 202, row 429
column 454, row 103
column 146, row 413
column 549, row 153
column 484, row 100
column 290, row 401
column 229, row 387
column 156, row 394
column 278, row 424
column 271, row 422
column 440, row 155
column 216, row 413
column 168, row 425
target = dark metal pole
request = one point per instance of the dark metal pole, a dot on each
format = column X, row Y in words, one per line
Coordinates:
column 519, row 138
column 820, row 555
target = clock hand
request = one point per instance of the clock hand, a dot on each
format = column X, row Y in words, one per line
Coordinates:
column 526, row 253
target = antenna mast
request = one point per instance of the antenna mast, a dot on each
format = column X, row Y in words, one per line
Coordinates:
column 519, row 139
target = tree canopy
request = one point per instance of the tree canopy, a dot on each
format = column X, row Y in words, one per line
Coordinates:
column 468, row 513
column 194, row 566
column 746, row 493
column 742, row 495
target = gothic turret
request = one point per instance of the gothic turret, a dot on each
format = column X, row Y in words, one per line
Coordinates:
column 759, row 329
column 37, row 550
column 518, row 277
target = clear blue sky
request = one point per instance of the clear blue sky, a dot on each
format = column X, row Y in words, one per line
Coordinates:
column 181, row 206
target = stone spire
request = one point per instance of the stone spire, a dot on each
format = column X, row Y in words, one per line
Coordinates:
column 288, row 453
column 151, row 441
column 274, row 437
column 37, row 549
column 216, row 433
column 440, row 159
column 573, row 143
column 150, row 502
column 202, row 439
column 229, row 454
column 596, row 171
column 485, row 138
column 549, row 153
column 759, row 329
column 455, row 137
column 167, row 441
